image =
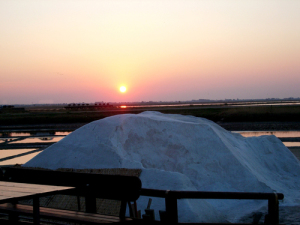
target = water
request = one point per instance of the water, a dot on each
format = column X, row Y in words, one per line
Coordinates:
column 11, row 154
column 149, row 105
column 17, row 156
column 279, row 134
column 33, row 134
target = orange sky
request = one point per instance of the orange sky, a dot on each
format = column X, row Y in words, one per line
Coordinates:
column 161, row 50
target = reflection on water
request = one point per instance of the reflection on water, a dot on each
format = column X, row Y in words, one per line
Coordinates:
column 33, row 134
column 30, row 140
column 46, row 138
column 291, row 144
column 279, row 134
column 21, row 156
column 32, row 137
column 11, row 140
column 248, row 104
column 35, row 140
column 62, row 133
column 19, row 159
column 38, row 133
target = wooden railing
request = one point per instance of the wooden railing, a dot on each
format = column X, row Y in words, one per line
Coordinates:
column 90, row 185
column 171, row 198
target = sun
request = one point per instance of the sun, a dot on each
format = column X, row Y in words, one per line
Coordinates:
column 123, row 89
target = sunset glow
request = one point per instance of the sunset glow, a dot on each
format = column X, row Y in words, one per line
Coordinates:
column 165, row 50
column 123, row 89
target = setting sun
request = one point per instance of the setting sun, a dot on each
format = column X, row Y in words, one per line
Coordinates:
column 123, row 89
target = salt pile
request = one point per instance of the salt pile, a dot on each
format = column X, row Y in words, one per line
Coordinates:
column 178, row 152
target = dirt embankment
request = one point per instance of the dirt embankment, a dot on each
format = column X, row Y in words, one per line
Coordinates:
column 240, row 118
column 261, row 126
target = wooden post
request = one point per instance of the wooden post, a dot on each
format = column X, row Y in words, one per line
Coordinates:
column 90, row 204
column 135, row 209
column 171, row 208
column 90, row 200
column 36, row 210
column 273, row 211
column 123, row 209
column 78, row 203
column 132, row 211
column 13, row 217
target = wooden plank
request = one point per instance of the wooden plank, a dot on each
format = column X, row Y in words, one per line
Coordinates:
column 9, row 190
column 40, row 187
column 66, row 215
column 209, row 194
column 73, row 216
column 20, row 190
column 99, row 185
column 89, row 185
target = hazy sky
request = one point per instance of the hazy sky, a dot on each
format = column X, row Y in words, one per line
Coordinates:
column 58, row 51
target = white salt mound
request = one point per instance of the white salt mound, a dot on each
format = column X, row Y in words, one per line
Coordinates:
column 178, row 152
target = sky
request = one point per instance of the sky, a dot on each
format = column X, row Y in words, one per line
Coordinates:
column 65, row 51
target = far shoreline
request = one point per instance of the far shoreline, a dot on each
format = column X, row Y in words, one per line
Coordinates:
column 233, row 118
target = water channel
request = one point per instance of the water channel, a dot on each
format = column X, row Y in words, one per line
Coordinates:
column 19, row 147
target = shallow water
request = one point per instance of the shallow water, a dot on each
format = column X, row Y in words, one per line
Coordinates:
column 14, row 156
column 21, row 155
column 279, row 134
column 18, row 157
column 33, row 140
column 27, row 134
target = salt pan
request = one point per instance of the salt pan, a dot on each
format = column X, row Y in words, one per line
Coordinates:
column 179, row 152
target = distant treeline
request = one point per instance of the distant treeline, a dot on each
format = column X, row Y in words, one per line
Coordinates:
column 84, row 106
